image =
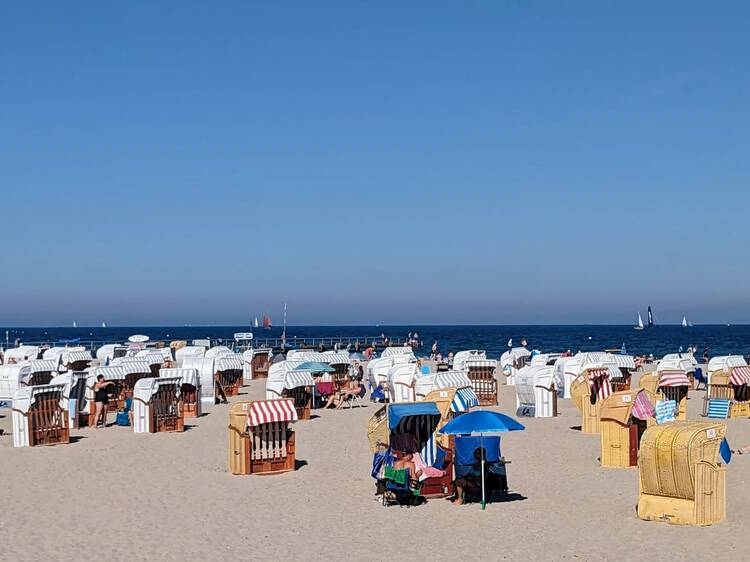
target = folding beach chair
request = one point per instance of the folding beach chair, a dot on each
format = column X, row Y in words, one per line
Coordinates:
column 718, row 408
column 399, row 488
column 357, row 398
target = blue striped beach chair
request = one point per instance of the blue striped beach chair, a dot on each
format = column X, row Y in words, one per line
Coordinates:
column 718, row 409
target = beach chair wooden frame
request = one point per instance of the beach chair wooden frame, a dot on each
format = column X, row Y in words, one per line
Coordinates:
column 302, row 397
column 263, row 449
column 722, row 389
column 45, row 422
column 483, row 381
column 679, row 394
column 620, row 431
column 680, row 480
column 190, row 401
column 164, row 413
column 260, row 363
column 584, row 397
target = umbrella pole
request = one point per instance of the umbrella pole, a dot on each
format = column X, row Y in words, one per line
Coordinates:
column 481, row 444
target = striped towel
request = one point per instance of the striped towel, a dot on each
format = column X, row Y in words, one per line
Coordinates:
column 600, row 383
column 665, row 411
column 642, row 407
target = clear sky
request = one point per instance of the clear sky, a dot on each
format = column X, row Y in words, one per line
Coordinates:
column 374, row 162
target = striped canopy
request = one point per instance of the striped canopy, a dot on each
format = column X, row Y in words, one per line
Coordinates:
column 132, row 366
column 43, row 365
column 464, row 400
column 112, row 373
column 229, row 363
column 75, row 356
column 673, row 378
column 740, row 376
column 270, row 411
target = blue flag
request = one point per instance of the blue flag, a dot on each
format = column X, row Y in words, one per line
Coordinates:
column 725, row 451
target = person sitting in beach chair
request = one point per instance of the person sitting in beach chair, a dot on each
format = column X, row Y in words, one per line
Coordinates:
column 469, row 474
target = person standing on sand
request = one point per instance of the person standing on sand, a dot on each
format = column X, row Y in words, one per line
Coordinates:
column 434, row 350
column 101, row 400
column 705, row 355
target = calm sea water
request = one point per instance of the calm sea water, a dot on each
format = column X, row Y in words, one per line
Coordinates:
column 718, row 339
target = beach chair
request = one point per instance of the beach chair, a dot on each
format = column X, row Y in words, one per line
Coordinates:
column 481, row 373
column 135, row 370
column 495, row 475
column 229, row 373
column 624, row 417
column 38, row 417
column 260, row 439
column 190, row 390
column 718, row 408
column 156, row 406
column 588, row 390
column 410, row 428
column 681, row 479
column 399, row 487
column 357, row 399
column 260, row 363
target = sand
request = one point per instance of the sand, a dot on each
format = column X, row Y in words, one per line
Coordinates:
column 115, row 495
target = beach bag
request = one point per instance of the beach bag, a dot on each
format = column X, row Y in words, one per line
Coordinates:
column 379, row 461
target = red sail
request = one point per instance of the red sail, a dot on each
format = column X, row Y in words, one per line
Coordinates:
column 266, row 321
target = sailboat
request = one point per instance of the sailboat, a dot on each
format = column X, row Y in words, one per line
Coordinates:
column 75, row 324
column 255, row 322
column 267, row 322
column 104, row 324
column 650, row 318
column 639, row 326
column 685, row 323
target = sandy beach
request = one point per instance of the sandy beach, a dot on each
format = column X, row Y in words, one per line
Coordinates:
column 115, row 495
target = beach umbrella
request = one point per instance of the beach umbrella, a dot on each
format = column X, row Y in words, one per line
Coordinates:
column 315, row 367
column 481, row 422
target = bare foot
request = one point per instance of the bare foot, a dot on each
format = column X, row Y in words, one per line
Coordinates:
column 457, row 501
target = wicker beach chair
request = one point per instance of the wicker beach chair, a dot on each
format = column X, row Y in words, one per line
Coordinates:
column 681, row 480
column 260, row 439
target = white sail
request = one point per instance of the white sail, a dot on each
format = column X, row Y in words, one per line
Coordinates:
column 104, row 324
column 684, row 322
column 255, row 322
column 75, row 325
column 639, row 326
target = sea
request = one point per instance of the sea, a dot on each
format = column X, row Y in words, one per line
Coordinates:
column 658, row 340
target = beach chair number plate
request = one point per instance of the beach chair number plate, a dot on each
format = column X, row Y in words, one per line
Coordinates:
column 443, row 394
column 710, row 433
column 626, row 398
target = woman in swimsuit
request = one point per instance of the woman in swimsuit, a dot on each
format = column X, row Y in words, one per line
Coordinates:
column 101, row 398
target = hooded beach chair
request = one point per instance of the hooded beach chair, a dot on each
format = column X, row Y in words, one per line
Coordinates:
column 624, row 417
column 38, row 417
column 681, row 478
column 260, row 439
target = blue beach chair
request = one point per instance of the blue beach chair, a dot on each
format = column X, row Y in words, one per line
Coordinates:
column 123, row 416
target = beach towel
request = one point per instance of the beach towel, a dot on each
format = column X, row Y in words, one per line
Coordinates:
column 665, row 411
column 427, row 471
column 642, row 407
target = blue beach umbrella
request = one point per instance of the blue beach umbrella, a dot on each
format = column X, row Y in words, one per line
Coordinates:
column 481, row 422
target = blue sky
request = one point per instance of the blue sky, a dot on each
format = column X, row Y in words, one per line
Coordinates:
column 374, row 162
